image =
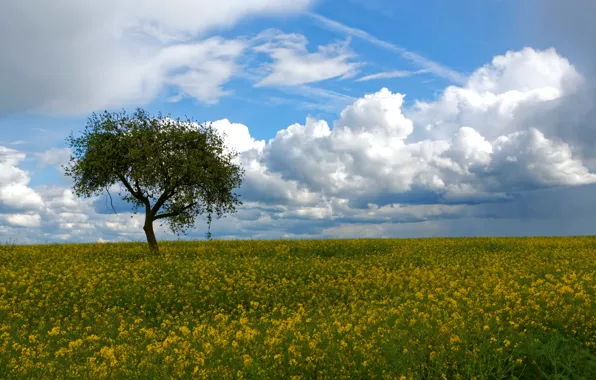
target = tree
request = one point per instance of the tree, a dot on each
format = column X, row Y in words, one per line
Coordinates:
column 177, row 170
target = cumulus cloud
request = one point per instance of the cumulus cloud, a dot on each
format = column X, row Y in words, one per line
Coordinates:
column 24, row 220
column 294, row 65
column 496, row 94
column 67, row 217
column 467, row 147
column 543, row 72
column 14, row 192
column 569, row 26
column 527, row 159
column 10, row 156
column 571, row 119
column 237, row 135
column 72, row 57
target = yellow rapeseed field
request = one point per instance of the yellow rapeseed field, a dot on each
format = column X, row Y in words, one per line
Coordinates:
column 484, row 308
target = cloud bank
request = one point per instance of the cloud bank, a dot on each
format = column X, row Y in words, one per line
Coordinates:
column 482, row 158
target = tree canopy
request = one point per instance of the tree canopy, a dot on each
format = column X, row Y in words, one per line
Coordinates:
column 175, row 169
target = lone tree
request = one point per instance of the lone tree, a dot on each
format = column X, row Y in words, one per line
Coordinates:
column 176, row 169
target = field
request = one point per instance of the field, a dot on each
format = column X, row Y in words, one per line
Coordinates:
column 484, row 308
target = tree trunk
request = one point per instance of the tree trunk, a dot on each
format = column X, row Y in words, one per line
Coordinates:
column 148, row 228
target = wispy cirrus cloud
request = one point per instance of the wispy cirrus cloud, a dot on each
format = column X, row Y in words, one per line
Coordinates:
column 292, row 64
column 425, row 63
column 53, row 157
column 391, row 74
column 320, row 98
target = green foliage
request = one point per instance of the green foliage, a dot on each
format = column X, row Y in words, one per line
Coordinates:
column 175, row 169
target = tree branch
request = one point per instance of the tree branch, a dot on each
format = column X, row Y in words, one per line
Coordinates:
column 162, row 199
column 143, row 198
column 138, row 189
column 111, row 202
column 175, row 213
column 137, row 194
column 127, row 185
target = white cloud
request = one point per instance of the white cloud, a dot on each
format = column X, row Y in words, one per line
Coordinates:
column 184, row 19
column 208, row 66
column 528, row 70
column 14, row 193
column 364, row 153
column 294, row 65
column 237, row 136
column 468, row 149
column 24, row 220
column 72, row 57
column 62, row 200
column 19, row 196
column 10, row 156
column 318, row 98
column 496, row 94
column 527, row 158
column 391, row 74
column 54, row 157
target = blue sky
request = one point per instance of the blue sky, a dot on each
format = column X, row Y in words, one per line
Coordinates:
column 483, row 120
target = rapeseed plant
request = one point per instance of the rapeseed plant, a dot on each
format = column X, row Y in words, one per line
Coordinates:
column 386, row 309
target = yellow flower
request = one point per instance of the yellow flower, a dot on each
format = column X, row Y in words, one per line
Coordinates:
column 54, row 331
column 327, row 292
column 185, row 330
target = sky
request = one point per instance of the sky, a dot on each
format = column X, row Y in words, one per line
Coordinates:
column 352, row 119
